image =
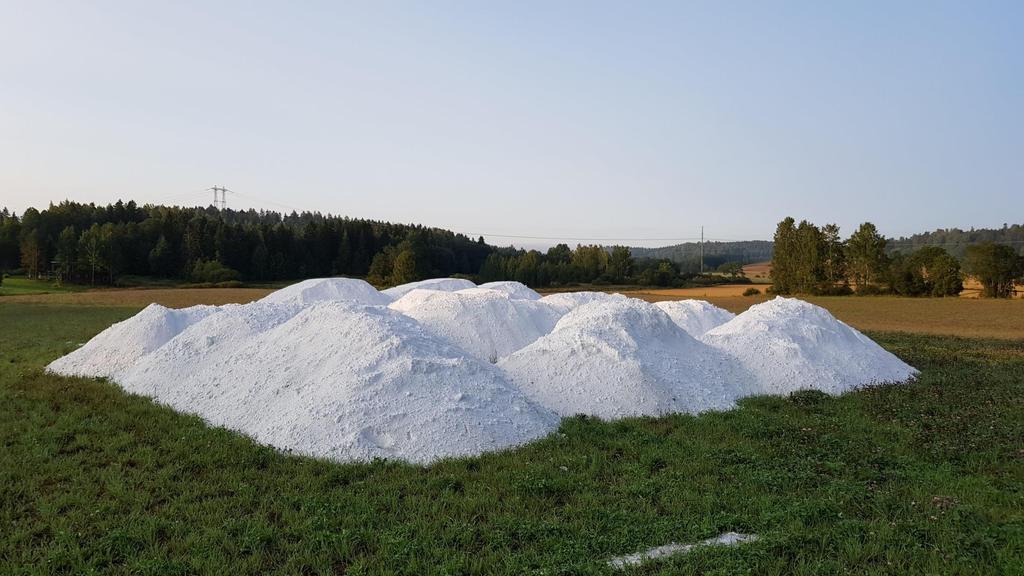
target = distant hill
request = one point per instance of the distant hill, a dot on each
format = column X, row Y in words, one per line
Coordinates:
column 956, row 241
column 687, row 255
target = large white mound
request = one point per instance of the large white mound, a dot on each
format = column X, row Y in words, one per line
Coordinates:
column 441, row 284
column 378, row 386
column 122, row 344
column 486, row 323
column 625, row 357
column 695, row 316
column 566, row 301
column 515, row 290
column 333, row 289
column 791, row 345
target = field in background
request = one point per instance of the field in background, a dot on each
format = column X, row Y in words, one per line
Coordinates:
column 14, row 286
column 170, row 297
column 759, row 273
column 983, row 318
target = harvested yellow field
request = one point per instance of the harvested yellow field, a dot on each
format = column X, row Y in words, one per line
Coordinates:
column 973, row 317
column 719, row 291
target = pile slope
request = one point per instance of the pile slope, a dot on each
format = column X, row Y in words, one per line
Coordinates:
column 695, row 316
column 618, row 358
column 328, row 289
column 121, row 345
column 567, row 301
column 515, row 290
column 442, row 284
column 485, row 323
column 379, row 387
column 789, row 345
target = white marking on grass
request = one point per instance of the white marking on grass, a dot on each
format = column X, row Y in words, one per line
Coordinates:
column 673, row 549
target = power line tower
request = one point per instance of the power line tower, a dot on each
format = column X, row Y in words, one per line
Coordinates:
column 701, row 249
column 222, row 202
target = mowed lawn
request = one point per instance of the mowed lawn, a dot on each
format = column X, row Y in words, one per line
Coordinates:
column 926, row 478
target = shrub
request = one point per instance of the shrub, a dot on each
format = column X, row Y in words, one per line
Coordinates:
column 228, row 284
column 751, row 292
column 212, row 271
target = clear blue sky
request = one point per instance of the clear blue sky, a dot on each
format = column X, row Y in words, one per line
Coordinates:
column 574, row 119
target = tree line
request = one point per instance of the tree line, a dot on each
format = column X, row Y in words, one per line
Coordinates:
column 93, row 244
column 812, row 260
column 90, row 244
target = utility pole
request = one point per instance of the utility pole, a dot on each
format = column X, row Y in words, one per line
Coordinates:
column 701, row 249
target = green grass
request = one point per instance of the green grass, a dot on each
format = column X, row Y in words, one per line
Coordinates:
column 924, row 478
column 16, row 285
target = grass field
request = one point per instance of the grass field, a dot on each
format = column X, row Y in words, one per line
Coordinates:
column 17, row 286
column 924, row 478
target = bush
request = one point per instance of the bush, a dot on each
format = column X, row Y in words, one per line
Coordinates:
column 212, row 271
column 228, row 284
column 751, row 292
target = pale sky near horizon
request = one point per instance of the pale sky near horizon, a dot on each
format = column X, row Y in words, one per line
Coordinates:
column 602, row 120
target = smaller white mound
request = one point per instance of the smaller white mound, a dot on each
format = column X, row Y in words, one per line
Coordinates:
column 566, row 301
column 378, row 387
column 624, row 357
column 695, row 316
column 791, row 345
column 441, row 284
column 207, row 348
column 125, row 342
column 515, row 290
column 486, row 323
column 328, row 289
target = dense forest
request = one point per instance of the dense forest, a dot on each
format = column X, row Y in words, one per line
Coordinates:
column 686, row 256
column 122, row 242
column 813, row 260
column 99, row 244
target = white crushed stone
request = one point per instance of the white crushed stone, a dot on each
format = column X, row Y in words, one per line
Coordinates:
column 790, row 345
column 379, row 387
column 125, row 342
column 673, row 549
column 328, row 289
column 624, row 357
column 325, row 368
column 515, row 290
column 695, row 316
column 566, row 301
column 487, row 323
column 442, row 284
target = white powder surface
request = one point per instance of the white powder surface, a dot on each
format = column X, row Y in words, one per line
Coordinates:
column 441, row 284
column 617, row 358
column 566, row 301
column 325, row 368
column 790, row 345
column 515, row 290
column 125, row 342
column 486, row 323
column 328, row 289
column 378, row 387
column 695, row 316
